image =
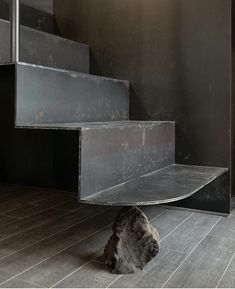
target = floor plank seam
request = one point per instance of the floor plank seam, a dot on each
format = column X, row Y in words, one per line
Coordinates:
column 60, row 203
column 69, row 227
column 51, row 256
column 191, row 253
column 74, row 271
column 7, row 216
column 109, row 286
column 64, row 210
column 33, row 227
column 225, row 270
column 185, row 220
column 93, row 259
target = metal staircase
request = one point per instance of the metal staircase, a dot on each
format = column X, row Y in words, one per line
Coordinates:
column 121, row 162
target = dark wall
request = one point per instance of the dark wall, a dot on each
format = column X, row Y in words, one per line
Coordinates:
column 177, row 55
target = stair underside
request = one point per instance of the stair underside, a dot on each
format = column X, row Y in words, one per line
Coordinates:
column 170, row 184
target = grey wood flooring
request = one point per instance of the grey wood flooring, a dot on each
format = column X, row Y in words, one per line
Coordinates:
column 49, row 240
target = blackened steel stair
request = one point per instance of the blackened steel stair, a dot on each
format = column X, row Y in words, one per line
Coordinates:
column 117, row 161
column 132, row 163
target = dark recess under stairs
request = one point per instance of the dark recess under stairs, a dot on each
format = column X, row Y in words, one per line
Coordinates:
column 121, row 162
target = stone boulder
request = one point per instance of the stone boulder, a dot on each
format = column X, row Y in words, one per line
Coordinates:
column 134, row 242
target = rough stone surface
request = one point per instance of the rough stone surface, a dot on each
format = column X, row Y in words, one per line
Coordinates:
column 133, row 244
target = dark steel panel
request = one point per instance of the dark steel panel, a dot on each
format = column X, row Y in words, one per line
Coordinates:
column 47, row 95
column 170, row 184
column 41, row 48
column 111, row 155
column 30, row 16
column 215, row 197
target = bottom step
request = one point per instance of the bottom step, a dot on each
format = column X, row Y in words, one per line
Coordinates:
column 170, row 184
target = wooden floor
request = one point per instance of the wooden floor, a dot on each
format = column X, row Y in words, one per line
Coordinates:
column 48, row 240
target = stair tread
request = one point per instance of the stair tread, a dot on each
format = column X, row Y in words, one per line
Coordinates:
column 72, row 72
column 172, row 183
column 42, row 5
column 55, row 36
column 45, row 49
column 87, row 125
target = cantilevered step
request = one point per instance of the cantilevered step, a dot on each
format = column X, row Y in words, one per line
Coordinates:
column 45, row 49
column 45, row 95
column 170, row 184
column 133, row 163
column 36, row 14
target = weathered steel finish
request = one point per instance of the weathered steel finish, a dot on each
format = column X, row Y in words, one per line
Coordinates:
column 41, row 48
column 30, row 16
column 113, row 154
column 45, row 95
column 40, row 5
column 215, row 197
column 170, row 184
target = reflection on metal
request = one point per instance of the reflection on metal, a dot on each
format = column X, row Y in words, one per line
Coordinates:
column 45, row 95
column 113, row 154
column 169, row 184
column 15, row 30
column 45, row 49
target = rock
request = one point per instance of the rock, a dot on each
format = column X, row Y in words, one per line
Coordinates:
column 133, row 244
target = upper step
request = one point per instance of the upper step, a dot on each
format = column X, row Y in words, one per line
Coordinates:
column 45, row 49
column 46, row 95
column 33, row 13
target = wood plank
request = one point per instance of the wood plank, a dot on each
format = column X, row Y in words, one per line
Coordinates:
column 5, row 220
column 99, row 275
column 71, row 205
column 18, row 226
column 23, row 260
column 17, row 283
column 169, row 221
column 154, row 275
column 205, row 266
column 225, row 228
column 169, row 259
column 12, row 244
column 228, row 279
column 94, row 275
column 190, row 233
column 31, row 209
column 13, row 197
column 21, row 201
column 3, row 277
column 59, row 266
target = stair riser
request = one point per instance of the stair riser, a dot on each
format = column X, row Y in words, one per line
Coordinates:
column 30, row 17
column 47, row 96
column 45, row 49
column 113, row 155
